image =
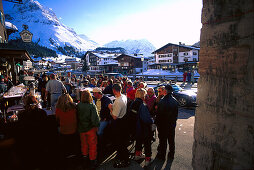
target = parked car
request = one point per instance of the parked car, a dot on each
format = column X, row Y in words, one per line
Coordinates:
column 184, row 97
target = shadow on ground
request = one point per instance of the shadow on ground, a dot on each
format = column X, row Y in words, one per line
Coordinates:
column 157, row 164
column 186, row 113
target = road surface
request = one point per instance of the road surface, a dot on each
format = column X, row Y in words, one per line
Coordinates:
column 183, row 153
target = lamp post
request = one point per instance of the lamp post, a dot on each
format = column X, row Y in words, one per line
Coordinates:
column 142, row 60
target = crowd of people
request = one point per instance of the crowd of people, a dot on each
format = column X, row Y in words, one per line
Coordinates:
column 135, row 111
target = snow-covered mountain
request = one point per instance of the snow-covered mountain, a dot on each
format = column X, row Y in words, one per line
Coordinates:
column 197, row 44
column 142, row 46
column 84, row 37
column 46, row 28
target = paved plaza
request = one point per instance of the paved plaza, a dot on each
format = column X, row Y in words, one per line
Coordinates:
column 184, row 141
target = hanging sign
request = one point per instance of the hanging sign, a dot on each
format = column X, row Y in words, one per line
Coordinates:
column 26, row 35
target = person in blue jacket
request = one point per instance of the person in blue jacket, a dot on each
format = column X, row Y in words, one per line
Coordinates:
column 189, row 77
column 143, row 126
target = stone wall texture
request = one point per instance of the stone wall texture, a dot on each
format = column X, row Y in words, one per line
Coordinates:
column 224, row 124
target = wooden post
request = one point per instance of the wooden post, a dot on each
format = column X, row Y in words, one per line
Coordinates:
column 13, row 70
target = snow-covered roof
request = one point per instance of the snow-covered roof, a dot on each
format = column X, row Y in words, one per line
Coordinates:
column 110, row 63
column 151, row 60
column 70, row 59
column 136, row 56
column 9, row 25
column 140, row 56
column 105, row 55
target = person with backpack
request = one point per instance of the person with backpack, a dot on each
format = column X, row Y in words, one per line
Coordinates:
column 143, row 122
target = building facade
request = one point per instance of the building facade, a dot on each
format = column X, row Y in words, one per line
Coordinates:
column 131, row 64
column 101, row 62
column 172, row 56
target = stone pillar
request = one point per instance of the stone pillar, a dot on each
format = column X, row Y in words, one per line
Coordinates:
column 224, row 124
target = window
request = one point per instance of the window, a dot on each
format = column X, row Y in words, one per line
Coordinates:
column 194, row 59
column 194, row 53
column 164, row 61
column 185, row 53
column 185, row 59
column 162, row 55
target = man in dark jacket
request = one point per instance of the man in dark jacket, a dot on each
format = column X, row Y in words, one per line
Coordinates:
column 166, row 122
column 108, row 89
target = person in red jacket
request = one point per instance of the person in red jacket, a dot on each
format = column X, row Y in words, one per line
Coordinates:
column 184, row 76
column 150, row 100
column 66, row 115
column 130, row 91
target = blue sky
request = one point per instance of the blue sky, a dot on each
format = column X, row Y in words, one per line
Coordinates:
column 159, row 21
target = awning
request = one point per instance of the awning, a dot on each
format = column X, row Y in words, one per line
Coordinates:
column 18, row 55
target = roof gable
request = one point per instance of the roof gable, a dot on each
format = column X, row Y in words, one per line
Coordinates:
column 170, row 44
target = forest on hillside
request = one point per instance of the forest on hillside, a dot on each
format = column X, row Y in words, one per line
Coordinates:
column 32, row 48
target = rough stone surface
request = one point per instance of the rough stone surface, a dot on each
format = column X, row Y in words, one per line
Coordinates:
column 224, row 124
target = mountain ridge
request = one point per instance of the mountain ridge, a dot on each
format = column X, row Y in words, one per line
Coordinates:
column 48, row 31
column 46, row 28
column 142, row 46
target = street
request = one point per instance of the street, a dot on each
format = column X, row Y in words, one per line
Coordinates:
column 183, row 144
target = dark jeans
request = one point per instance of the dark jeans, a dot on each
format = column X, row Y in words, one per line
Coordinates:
column 166, row 135
column 120, row 138
column 69, row 144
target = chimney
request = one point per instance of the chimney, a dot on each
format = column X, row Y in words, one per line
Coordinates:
column 180, row 43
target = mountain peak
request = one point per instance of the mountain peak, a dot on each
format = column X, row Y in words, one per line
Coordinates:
column 46, row 28
column 142, row 46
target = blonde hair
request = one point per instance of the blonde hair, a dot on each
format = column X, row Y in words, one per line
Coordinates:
column 86, row 97
column 65, row 103
column 140, row 93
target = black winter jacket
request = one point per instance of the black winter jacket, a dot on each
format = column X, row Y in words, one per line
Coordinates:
column 167, row 112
